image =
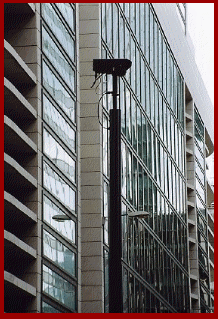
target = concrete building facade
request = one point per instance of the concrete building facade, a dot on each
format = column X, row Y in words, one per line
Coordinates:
column 56, row 160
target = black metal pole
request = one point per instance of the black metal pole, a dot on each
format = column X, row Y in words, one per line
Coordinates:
column 115, row 253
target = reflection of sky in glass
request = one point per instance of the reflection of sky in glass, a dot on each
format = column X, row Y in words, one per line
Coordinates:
column 58, row 123
column 56, row 89
column 59, row 188
column 66, row 228
column 46, row 308
column 68, row 13
column 106, row 238
column 58, row 253
column 59, row 288
column 57, row 59
column 58, row 155
column 58, row 28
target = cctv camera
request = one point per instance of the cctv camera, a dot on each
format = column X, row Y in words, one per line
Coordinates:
column 116, row 67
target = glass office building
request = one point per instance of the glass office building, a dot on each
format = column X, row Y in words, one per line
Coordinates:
column 152, row 103
column 57, row 162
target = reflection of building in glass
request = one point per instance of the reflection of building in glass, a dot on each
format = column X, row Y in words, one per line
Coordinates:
column 57, row 160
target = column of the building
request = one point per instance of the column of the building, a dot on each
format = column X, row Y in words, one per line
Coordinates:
column 191, row 200
column 210, row 210
column 22, row 158
column 79, row 297
column 91, row 164
column 210, row 217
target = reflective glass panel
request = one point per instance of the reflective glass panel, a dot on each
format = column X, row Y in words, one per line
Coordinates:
column 58, row 92
column 68, row 13
column 199, row 123
column 58, row 29
column 59, row 253
column 66, row 228
column 59, row 156
column 57, row 59
column 106, row 212
column 58, row 187
column 60, row 126
column 59, row 288
column 46, row 308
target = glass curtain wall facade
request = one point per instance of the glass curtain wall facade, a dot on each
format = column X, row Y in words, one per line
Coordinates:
column 59, row 245
column 202, row 222
column 151, row 99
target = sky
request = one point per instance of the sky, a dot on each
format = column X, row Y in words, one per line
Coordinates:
column 200, row 17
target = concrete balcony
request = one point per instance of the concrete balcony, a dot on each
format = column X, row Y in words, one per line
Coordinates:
column 17, row 293
column 210, row 192
column 14, row 212
column 188, row 134
column 16, row 107
column 19, row 8
column 188, row 117
column 210, row 221
column 17, row 180
column 14, row 248
column 15, row 69
column 190, row 204
column 16, row 141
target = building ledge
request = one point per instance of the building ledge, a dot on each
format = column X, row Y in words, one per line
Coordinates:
column 188, row 134
column 16, row 141
column 19, row 284
column 193, row 277
column 20, row 8
column 191, row 222
column 210, row 221
column 188, row 117
column 192, row 241
column 210, row 193
column 13, row 245
column 15, row 211
column 15, row 291
column 211, row 232
column 211, row 263
column 191, row 204
column 16, row 177
column 189, row 151
column 190, row 187
column 15, row 69
column 16, row 106
column 211, row 253
column 194, row 296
